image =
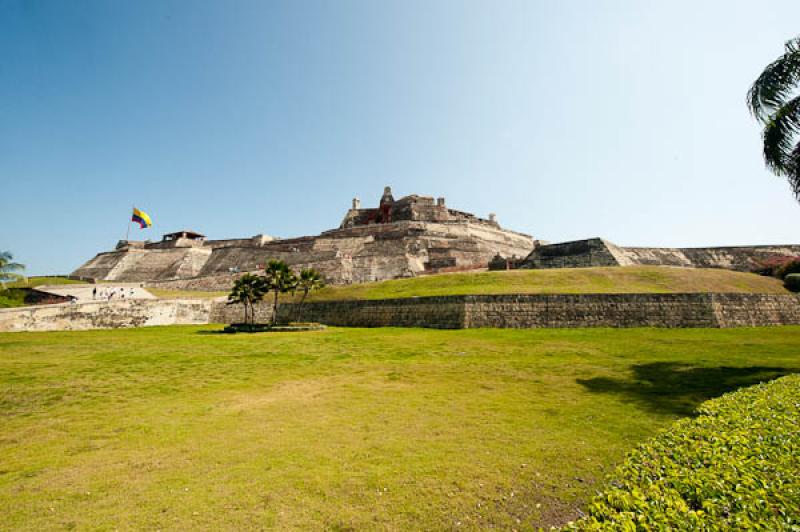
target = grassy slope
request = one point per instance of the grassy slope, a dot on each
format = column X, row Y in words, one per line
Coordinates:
column 40, row 281
column 181, row 428
column 633, row 279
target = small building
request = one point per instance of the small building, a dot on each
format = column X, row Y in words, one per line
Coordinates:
column 191, row 235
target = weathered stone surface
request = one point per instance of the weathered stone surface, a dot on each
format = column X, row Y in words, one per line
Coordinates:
column 106, row 315
column 448, row 312
column 598, row 252
column 557, row 311
column 405, row 238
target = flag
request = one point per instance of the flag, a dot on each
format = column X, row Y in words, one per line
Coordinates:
column 141, row 218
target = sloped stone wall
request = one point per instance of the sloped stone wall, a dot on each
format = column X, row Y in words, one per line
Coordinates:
column 754, row 310
column 557, row 311
column 431, row 312
column 589, row 310
column 450, row 312
column 222, row 312
column 598, row 252
column 106, row 315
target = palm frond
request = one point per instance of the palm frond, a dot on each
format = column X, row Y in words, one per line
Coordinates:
column 776, row 83
column 793, row 171
column 780, row 135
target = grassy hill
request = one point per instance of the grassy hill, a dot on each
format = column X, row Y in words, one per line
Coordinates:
column 628, row 280
column 32, row 282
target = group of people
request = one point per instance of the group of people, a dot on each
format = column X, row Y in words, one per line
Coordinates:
column 109, row 293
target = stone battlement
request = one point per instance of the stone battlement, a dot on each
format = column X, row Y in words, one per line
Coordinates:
column 599, row 252
column 403, row 238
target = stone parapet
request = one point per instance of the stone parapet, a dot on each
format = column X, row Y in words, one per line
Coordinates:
column 556, row 311
column 446, row 312
column 106, row 315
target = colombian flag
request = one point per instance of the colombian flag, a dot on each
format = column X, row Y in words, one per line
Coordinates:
column 141, row 218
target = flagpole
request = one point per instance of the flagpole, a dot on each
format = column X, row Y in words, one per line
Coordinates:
column 128, row 232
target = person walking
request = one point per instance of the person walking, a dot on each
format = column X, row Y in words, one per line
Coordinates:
column 94, row 293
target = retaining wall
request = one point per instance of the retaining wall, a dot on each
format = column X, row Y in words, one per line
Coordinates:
column 449, row 312
column 106, row 315
column 556, row 311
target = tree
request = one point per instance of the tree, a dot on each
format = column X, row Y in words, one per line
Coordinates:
column 774, row 101
column 279, row 279
column 248, row 290
column 9, row 269
column 309, row 280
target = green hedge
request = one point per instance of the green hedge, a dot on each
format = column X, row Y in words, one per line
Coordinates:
column 734, row 467
column 792, row 282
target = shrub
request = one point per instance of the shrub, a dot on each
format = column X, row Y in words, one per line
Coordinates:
column 792, row 282
column 788, row 268
column 778, row 266
column 735, row 467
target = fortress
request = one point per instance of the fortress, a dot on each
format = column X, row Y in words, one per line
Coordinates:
column 411, row 236
column 399, row 238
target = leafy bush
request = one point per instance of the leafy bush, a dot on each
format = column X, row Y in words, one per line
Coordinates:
column 789, row 268
column 779, row 266
column 792, row 282
column 735, row 467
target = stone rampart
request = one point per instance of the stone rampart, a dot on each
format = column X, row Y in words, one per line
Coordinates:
column 106, row 315
column 556, row 311
column 594, row 252
column 446, row 312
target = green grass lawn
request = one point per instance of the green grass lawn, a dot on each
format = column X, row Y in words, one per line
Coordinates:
column 630, row 279
column 40, row 281
column 182, row 428
column 627, row 280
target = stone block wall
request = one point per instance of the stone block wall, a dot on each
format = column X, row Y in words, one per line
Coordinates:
column 589, row 310
column 598, row 252
column 106, row 315
column 222, row 312
column 432, row 312
column 753, row 310
column 557, row 311
column 449, row 312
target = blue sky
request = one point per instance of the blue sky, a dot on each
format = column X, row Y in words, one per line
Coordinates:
column 621, row 119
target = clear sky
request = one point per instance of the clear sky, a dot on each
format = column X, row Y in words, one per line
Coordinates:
column 620, row 119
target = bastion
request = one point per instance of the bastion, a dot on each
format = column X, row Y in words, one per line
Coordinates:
column 399, row 238
column 594, row 252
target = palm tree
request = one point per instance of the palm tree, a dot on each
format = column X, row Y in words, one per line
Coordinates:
column 309, row 280
column 9, row 269
column 774, row 101
column 279, row 279
column 248, row 290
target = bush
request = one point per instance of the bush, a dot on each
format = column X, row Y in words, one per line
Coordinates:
column 735, row 467
column 779, row 266
column 789, row 268
column 792, row 282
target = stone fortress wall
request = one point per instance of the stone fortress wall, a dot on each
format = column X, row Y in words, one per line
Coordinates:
column 401, row 238
column 557, row 311
column 598, row 252
column 106, row 315
column 448, row 312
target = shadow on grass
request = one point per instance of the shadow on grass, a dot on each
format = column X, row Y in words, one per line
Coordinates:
column 672, row 388
column 215, row 331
